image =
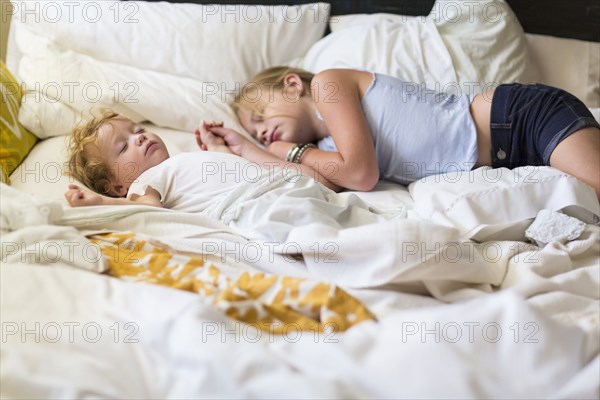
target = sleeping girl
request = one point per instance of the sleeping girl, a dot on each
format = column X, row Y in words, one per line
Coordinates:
column 352, row 128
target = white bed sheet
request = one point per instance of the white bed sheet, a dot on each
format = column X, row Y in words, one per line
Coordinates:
column 145, row 341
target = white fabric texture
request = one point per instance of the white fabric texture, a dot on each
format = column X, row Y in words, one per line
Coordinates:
column 485, row 41
column 304, row 218
column 408, row 123
column 106, row 56
column 181, row 348
column 29, row 234
column 192, row 181
column 178, row 347
column 572, row 65
column 394, row 108
column 339, row 22
column 500, row 203
column 461, row 46
column 412, row 51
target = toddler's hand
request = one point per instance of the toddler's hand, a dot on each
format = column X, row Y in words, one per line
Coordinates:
column 79, row 196
column 205, row 138
column 233, row 140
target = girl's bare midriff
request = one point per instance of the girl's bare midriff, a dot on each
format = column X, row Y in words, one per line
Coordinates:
column 481, row 110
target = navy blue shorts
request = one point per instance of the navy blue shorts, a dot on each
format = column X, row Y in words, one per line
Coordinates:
column 529, row 121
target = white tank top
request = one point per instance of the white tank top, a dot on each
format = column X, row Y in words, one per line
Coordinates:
column 416, row 132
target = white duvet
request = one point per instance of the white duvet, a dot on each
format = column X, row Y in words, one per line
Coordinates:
column 102, row 337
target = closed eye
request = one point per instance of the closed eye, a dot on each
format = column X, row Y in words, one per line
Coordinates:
column 123, row 148
column 255, row 119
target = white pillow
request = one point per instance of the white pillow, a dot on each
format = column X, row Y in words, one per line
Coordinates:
column 499, row 204
column 482, row 43
column 411, row 50
column 182, row 50
column 339, row 22
column 573, row 65
column 485, row 40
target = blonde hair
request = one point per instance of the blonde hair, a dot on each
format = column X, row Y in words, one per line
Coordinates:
column 93, row 172
column 250, row 97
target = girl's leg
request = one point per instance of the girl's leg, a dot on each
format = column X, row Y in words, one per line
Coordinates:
column 579, row 155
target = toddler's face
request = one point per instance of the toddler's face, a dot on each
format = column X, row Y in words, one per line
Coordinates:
column 129, row 150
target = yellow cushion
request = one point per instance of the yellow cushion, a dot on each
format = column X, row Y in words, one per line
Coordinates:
column 15, row 140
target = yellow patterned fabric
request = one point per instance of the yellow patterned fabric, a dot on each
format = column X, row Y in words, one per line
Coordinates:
column 15, row 140
column 269, row 302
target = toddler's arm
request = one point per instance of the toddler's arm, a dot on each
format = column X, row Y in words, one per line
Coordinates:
column 79, row 197
column 207, row 140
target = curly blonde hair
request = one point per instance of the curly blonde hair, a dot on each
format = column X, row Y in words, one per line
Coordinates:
column 250, row 97
column 93, row 172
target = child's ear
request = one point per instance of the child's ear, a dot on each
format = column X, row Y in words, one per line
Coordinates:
column 294, row 80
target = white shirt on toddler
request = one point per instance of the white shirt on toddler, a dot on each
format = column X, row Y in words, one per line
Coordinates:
column 193, row 181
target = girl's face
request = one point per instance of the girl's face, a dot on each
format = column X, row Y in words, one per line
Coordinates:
column 285, row 115
column 128, row 150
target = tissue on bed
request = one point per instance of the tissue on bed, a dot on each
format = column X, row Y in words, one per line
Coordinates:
column 495, row 204
column 551, row 226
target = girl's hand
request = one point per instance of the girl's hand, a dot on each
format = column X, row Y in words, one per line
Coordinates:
column 207, row 140
column 80, row 196
column 236, row 142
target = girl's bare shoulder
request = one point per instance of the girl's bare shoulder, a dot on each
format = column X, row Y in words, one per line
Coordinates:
column 344, row 79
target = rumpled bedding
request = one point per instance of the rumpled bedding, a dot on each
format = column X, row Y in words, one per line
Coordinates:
column 537, row 337
column 342, row 240
column 269, row 302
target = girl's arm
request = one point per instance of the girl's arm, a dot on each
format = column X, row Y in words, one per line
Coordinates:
column 79, row 197
column 336, row 93
column 243, row 147
column 207, row 141
column 268, row 160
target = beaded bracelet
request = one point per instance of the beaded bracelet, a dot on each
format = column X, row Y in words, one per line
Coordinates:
column 292, row 152
column 303, row 148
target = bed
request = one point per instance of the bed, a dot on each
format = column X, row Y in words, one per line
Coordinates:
column 426, row 291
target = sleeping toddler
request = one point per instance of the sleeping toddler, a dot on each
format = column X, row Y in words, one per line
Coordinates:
column 125, row 164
